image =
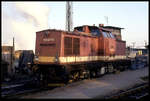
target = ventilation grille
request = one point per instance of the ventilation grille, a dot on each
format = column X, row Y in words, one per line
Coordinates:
column 71, row 46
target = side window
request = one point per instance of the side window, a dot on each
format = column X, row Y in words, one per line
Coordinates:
column 104, row 34
column 95, row 32
column 80, row 29
column 67, row 46
column 111, row 35
column 108, row 35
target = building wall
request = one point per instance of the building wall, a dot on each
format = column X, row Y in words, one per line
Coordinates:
column 4, row 69
column 7, row 55
column 17, row 54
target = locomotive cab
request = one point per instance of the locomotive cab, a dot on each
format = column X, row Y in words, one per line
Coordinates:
column 106, row 38
column 107, row 43
column 88, row 30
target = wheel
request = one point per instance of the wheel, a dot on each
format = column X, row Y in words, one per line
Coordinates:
column 110, row 68
column 122, row 68
column 87, row 74
column 39, row 78
column 93, row 74
column 98, row 73
column 65, row 79
column 75, row 75
column 102, row 70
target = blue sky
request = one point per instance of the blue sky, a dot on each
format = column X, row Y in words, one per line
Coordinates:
column 133, row 16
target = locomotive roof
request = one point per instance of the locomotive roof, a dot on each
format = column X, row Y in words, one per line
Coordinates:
column 82, row 33
column 52, row 29
column 103, row 29
column 72, row 32
column 86, row 25
column 112, row 27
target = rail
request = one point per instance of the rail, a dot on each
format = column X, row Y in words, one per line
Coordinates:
column 134, row 93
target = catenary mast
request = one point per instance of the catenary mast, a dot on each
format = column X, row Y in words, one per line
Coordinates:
column 69, row 16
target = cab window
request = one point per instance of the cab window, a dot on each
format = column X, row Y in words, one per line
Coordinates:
column 108, row 35
column 112, row 36
column 104, row 34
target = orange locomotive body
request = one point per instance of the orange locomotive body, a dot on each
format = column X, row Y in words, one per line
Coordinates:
column 88, row 51
column 61, row 47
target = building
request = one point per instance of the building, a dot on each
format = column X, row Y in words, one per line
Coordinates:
column 8, row 56
column 17, row 54
column 133, row 52
column 4, row 70
column 141, row 51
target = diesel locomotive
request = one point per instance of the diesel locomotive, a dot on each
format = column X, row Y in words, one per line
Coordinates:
column 86, row 52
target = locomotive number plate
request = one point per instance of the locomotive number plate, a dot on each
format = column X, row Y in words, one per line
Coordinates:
column 49, row 39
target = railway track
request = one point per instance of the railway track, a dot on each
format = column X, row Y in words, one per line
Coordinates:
column 16, row 94
column 20, row 90
column 17, row 90
column 136, row 92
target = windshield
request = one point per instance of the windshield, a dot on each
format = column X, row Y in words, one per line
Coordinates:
column 105, row 34
column 108, row 35
column 112, row 36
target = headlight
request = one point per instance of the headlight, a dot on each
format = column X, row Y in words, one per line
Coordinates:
column 56, row 59
column 29, row 63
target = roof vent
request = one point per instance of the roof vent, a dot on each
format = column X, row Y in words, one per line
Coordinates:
column 101, row 25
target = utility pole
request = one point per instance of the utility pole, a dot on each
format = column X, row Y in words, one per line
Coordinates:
column 13, row 54
column 106, row 17
column 69, row 16
column 133, row 46
column 145, row 42
column 13, row 44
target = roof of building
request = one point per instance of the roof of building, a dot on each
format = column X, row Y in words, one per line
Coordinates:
column 6, row 48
